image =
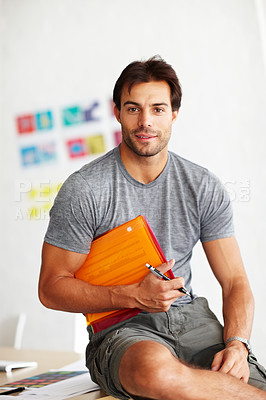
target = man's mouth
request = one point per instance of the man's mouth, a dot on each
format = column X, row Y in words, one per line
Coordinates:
column 145, row 136
column 140, row 134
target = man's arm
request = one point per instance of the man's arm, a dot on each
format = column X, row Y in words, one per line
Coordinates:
column 59, row 290
column 238, row 305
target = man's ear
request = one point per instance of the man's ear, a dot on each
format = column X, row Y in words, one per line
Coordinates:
column 117, row 114
column 174, row 115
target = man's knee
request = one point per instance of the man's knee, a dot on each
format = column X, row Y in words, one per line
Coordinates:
column 147, row 366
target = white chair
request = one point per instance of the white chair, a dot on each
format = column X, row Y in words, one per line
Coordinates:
column 20, row 330
column 81, row 336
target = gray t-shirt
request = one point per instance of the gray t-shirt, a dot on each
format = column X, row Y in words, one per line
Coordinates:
column 186, row 203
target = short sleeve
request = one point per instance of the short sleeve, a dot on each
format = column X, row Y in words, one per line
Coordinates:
column 73, row 216
column 216, row 211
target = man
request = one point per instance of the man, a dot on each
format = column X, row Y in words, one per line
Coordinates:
column 175, row 348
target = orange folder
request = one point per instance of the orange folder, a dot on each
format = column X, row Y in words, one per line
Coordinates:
column 118, row 257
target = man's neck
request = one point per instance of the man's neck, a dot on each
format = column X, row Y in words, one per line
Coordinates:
column 144, row 169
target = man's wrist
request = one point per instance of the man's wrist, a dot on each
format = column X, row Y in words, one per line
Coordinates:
column 237, row 339
column 123, row 296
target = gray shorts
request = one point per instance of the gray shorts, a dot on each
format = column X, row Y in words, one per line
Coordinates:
column 191, row 332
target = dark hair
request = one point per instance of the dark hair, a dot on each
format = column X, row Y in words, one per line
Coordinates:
column 154, row 69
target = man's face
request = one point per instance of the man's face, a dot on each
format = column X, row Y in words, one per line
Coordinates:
column 146, row 117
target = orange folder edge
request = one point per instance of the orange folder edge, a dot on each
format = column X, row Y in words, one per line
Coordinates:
column 100, row 321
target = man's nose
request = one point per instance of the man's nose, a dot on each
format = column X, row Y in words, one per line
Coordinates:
column 145, row 119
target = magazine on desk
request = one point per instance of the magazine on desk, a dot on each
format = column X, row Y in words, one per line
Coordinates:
column 69, row 381
column 118, row 257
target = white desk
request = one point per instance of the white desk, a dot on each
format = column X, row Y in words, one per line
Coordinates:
column 46, row 360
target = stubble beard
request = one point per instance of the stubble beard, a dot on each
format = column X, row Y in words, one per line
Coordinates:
column 146, row 149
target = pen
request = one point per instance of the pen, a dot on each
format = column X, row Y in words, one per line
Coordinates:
column 160, row 275
column 11, row 391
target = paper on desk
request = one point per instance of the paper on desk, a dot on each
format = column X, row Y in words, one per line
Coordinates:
column 61, row 390
column 79, row 365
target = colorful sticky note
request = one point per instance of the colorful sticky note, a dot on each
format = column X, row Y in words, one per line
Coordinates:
column 117, row 137
column 72, row 116
column 33, row 193
column 33, row 155
column 47, row 151
column 89, row 113
column 44, row 120
column 77, row 148
column 26, row 123
column 96, row 144
column 30, row 155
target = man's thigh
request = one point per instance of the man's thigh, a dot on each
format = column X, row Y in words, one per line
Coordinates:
column 104, row 365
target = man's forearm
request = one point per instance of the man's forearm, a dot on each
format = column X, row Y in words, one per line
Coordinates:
column 73, row 295
column 238, row 310
column 64, row 292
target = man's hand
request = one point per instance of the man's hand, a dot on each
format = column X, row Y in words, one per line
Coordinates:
column 232, row 361
column 156, row 295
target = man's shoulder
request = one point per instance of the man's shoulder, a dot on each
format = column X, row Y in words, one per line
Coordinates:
column 195, row 176
column 186, row 166
column 92, row 174
column 100, row 163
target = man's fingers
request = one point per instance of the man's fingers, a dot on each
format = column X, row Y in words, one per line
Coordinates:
column 226, row 363
column 163, row 268
column 176, row 283
column 227, row 366
column 217, row 362
column 236, row 371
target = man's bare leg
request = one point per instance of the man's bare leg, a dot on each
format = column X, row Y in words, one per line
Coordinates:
column 149, row 369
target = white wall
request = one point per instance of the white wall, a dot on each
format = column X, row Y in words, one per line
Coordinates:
column 58, row 52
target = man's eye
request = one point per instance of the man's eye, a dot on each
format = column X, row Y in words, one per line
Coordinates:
column 133, row 109
column 158, row 110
